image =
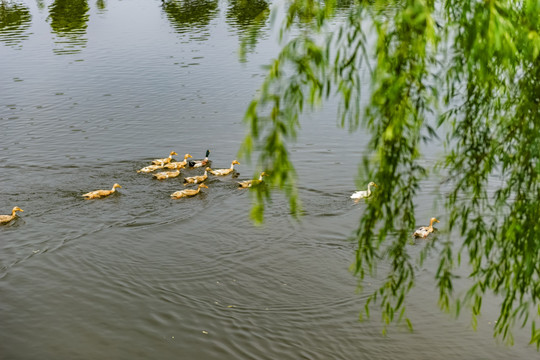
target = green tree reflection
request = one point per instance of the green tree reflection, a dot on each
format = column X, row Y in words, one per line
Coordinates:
column 69, row 20
column 101, row 5
column 191, row 16
column 249, row 17
column 15, row 20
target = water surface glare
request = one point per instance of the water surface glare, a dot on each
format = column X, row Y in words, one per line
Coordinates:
column 92, row 91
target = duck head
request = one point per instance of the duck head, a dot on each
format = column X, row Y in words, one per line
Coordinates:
column 235, row 162
column 432, row 221
column 203, row 185
column 116, row 186
column 16, row 208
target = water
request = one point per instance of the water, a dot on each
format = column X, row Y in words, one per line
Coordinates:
column 91, row 93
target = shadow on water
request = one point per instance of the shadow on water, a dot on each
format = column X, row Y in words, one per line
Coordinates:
column 191, row 16
column 69, row 20
column 15, row 21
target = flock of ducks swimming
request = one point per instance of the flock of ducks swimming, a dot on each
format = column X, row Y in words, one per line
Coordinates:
column 168, row 163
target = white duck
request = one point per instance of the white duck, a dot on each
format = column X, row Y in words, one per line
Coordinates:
column 364, row 194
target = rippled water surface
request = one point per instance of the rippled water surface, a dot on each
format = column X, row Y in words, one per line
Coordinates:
column 92, row 91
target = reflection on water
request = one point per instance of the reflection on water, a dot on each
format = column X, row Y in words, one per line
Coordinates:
column 69, row 20
column 191, row 16
column 14, row 23
column 249, row 17
column 101, row 5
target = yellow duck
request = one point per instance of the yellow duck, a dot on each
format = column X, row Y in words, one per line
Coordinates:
column 164, row 161
column 200, row 163
column 100, row 193
column 424, row 231
column 249, row 183
column 167, row 175
column 187, row 192
column 178, row 164
column 150, row 168
column 221, row 172
column 4, row 219
column 197, row 179
column 364, row 194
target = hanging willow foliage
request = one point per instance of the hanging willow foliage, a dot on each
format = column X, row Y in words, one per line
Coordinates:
column 478, row 62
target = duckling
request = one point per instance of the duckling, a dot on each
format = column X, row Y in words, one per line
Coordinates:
column 424, row 231
column 165, row 160
column 187, row 192
column 100, row 193
column 250, row 183
column 4, row 219
column 221, row 172
column 363, row 194
column 178, row 164
column 167, row 175
column 197, row 179
column 200, row 163
column 150, row 168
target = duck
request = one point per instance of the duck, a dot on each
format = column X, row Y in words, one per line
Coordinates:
column 221, row 172
column 178, row 164
column 197, row 179
column 424, row 231
column 4, row 219
column 187, row 192
column 150, row 168
column 165, row 160
column 200, row 163
column 167, row 175
column 364, row 194
column 249, row 183
column 100, row 193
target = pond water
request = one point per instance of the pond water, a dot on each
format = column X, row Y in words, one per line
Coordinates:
column 94, row 90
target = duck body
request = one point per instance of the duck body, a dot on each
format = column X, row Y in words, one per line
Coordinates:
column 249, row 183
column 187, row 192
column 164, row 161
column 100, row 193
column 364, row 194
column 150, row 168
column 200, row 163
column 4, row 219
column 424, row 231
column 167, row 175
column 222, row 172
column 178, row 164
column 197, row 179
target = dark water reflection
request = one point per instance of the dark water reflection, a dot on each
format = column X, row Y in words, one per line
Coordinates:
column 15, row 21
column 141, row 276
column 69, row 21
column 191, row 16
